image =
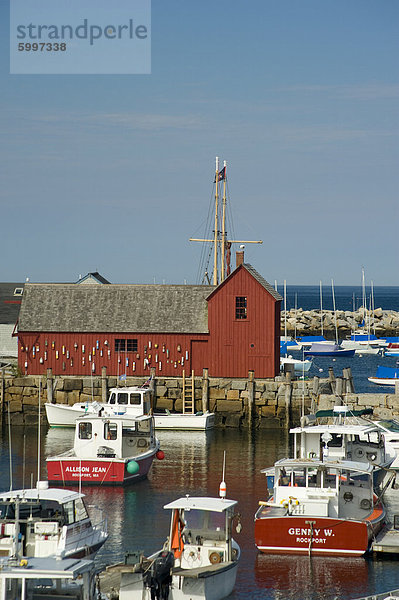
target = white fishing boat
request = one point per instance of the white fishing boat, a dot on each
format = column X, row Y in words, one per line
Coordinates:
column 390, row 430
column 43, row 521
column 300, row 366
column 319, row 507
column 386, row 376
column 340, row 434
column 108, row 450
column 199, row 559
column 129, row 401
column 48, row 579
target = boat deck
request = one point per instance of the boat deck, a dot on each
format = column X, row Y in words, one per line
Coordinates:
column 387, row 541
column 384, row 596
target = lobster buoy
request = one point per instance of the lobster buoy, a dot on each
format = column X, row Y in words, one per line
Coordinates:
column 160, row 455
column 132, row 467
column 222, row 489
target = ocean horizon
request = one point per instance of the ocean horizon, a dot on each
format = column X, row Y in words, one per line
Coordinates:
column 347, row 297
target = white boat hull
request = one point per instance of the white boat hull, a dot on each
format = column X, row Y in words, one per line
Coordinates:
column 383, row 381
column 62, row 415
column 213, row 583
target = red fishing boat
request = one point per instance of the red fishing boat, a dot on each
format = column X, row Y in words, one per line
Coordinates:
column 108, row 450
column 319, row 508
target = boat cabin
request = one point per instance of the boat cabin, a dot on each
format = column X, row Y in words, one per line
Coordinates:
column 113, row 436
column 46, row 521
column 321, row 489
column 359, row 443
column 200, row 531
column 134, row 400
column 47, row 578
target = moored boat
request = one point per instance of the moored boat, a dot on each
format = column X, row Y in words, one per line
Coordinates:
column 328, row 349
column 199, row 559
column 43, row 521
column 341, row 434
column 48, row 578
column 107, row 450
column 387, row 376
column 319, row 507
column 128, row 401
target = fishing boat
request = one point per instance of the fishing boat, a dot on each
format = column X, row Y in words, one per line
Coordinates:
column 107, row 450
column 307, row 341
column 42, row 521
column 341, row 434
column 392, row 350
column 319, row 507
column 328, row 349
column 390, row 430
column 199, row 559
column 300, row 366
column 48, row 579
column 129, row 401
column 387, row 376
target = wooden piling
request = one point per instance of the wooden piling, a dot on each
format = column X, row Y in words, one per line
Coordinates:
column 104, row 385
column 50, row 397
column 2, row 395
column 288, row 393
column 205, row 390
column 251, row 397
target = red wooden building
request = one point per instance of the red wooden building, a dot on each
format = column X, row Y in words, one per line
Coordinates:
column 77, row 329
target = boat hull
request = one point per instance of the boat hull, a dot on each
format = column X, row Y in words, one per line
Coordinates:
column 329, row 353
column 73, row 471
column 209, row 583
column 381, row 381
column 62, row 415
column 330, row 537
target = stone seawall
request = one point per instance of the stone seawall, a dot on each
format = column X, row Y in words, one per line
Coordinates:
column 308, row 322
column 236, row 402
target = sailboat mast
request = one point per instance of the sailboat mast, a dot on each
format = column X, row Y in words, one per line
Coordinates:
column 215, row 243
column 335, row 312
column 222, row 274
column 285, row 310
column 321, row 309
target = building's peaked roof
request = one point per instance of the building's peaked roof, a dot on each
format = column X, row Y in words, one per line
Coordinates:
column 269, row 288
column 262, row 281
column 94, row 277
column 10, row 301
column 114, row 308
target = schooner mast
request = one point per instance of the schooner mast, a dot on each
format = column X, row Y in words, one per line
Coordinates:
column 219, row 239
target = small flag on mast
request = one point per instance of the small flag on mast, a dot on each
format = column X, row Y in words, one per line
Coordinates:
column 221, row 175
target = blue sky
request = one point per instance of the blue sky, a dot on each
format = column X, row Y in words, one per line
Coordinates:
column 115, row 172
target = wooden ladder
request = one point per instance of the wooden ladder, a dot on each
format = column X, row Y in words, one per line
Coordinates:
column 188, row 393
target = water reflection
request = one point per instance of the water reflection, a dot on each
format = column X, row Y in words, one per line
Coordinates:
column 193, row 465
column 318, row 577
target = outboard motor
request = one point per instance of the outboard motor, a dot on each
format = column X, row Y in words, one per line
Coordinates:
column 159, row 577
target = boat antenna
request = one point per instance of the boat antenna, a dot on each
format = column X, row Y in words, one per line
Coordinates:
column 9, row 445
column 38, row 436
column 222, row 487
column 335, row 312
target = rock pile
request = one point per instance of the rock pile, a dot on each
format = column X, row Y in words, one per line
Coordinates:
column 308, row 322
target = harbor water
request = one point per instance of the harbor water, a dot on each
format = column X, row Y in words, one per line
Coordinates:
column 193, row 465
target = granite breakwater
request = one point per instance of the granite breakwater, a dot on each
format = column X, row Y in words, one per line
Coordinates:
column 309, row 322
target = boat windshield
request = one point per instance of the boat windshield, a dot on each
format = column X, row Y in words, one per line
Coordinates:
column 41, row 509
column 204, row 523
column 391, row 425
column 75, row 511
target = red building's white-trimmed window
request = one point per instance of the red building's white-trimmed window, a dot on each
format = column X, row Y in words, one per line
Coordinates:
column 125, row 345
column 241, row 307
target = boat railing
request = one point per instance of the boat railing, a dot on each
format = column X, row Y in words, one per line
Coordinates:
column 384, row 596
column 98, row 519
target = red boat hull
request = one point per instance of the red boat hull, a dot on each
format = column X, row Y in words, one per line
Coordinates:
column 297, row 535
column 96, row 471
